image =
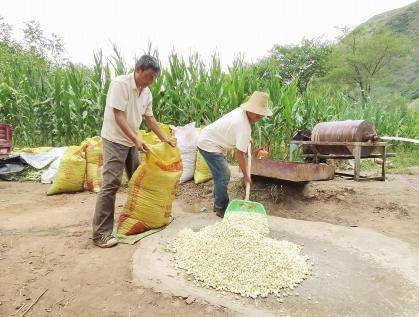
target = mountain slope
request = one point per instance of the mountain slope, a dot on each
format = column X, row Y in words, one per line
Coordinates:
column 403, row 78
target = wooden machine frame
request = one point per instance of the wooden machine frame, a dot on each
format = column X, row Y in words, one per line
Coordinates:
column 355, row 148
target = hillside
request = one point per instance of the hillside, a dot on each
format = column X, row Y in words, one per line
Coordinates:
column 403, row 77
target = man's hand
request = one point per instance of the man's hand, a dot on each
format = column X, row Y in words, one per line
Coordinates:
column 171, row 141
column 153, row 125
column 141, row 146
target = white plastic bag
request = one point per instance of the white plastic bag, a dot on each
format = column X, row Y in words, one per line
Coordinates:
column 41, row 160
column 48, row 175
column 187, row 138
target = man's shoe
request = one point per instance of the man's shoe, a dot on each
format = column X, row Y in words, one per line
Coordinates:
column 105, row 242
column 219, row 211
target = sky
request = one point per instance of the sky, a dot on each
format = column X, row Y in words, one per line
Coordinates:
column 228, row 27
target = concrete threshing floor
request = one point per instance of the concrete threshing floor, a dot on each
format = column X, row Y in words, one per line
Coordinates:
column 357, row 272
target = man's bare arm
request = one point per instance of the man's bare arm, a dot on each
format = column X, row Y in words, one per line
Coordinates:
column 121, row 120
column 154, row 126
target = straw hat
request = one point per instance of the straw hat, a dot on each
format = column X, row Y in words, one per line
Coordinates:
column 258, row 103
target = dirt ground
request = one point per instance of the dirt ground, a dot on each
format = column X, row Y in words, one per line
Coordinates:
column 45, row 241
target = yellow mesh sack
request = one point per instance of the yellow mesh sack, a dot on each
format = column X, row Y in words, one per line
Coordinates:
column 94, row 179
column 94, row 158
column 151, row 138
column 202, row 172
column 151, row 191
column 71, row 172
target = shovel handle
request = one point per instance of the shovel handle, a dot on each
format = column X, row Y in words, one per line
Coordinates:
column 249, row 168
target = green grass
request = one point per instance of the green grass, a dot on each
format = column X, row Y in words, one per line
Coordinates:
column 402, row 163
column 404, row 160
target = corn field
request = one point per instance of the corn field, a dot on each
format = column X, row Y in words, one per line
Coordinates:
column 62, row 105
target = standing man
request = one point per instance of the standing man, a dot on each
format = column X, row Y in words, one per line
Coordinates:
column 232, row 131
column 128, row 101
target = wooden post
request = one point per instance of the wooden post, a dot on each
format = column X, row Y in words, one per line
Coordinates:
column 316, row 154
column 291, row 147
column 293, row 151
column 357, row 166
column 383, row 151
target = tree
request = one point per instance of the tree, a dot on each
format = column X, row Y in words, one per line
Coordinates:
column 305, row 61
column 361, row 57
column 51, row 48
column 5, row 30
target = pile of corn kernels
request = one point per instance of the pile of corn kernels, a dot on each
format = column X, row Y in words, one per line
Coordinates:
column 236, row 255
